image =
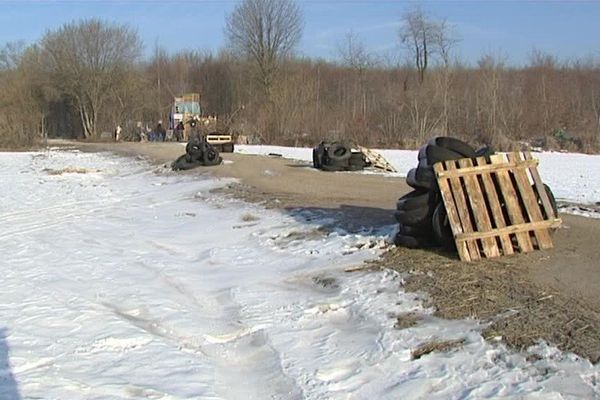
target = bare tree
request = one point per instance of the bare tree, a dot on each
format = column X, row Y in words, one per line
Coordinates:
column 355, row 55
column 424, row 38
column 266, row 31
column 87, row 61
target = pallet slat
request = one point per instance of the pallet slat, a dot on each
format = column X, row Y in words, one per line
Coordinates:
column 530, row 203
column 480, row 214
column 452, row 213
column 377, row 160
column 459, row 197
column 497, row 215
column 493, row 207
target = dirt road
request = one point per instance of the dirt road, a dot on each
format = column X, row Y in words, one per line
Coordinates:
column 569, row 274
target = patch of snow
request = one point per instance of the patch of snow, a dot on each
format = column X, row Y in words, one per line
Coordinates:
column 133, row 283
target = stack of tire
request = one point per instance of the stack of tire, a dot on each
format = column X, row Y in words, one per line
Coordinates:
column 338, row 156
column 197, row 153
column 421, row 213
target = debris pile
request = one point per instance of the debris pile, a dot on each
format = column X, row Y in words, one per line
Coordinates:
column 338, row 156
column 421, row 213
column 197, row 152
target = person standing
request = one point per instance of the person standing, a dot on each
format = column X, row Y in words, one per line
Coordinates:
column 161, row 133
column 179, row 131
column 117, row 134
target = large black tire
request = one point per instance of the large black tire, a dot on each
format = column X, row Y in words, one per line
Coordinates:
column 357, row 159
column 339, row 152
column 194, row 149
column 431, row 154
column 422, row 177
column 211, row 156
column 417, row 199
column 318, row 153
column 412, row 242
column 424, row 230
column 441, row 228
column 415, row 217
column 227, row 147
column 484, row 151
column 552, row 202
column 352, row 167
column 183, row 163
column 456, row 145
column 333, row 167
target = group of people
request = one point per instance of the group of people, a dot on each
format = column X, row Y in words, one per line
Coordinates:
column 158, row 134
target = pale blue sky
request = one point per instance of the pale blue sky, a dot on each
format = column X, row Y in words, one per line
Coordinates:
column 566, row 29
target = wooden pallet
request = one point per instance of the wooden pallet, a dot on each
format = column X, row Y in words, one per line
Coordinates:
column 497, row 206
column 376, row 159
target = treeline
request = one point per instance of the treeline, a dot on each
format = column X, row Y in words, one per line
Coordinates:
column 86, row 77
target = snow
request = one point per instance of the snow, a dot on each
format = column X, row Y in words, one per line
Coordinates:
column 573, row 177
column 121, row 282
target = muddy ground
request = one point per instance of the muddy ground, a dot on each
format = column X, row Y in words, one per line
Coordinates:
column 551, row 295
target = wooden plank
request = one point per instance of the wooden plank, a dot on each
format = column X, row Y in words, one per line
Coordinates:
column 480, row 211
column 497, row 214
column 511, row 203
column 530, row 203
column 477, row 170
column 539, row 187
column 463, row 211
column 377, row 160
column 524, row 227
column 452, row 213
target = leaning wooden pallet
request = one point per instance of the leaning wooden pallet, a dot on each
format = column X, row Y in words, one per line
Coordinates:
column 496, row 206
column 376, row 159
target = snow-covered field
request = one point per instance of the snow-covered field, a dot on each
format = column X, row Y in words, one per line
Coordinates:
column 572, row 177
column 119, row 282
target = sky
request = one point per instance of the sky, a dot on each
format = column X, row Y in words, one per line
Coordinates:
column 507, row 29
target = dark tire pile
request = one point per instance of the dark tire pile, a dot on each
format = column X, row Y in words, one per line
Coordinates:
column 421, row 214
column 197, row 153
column 337, row 156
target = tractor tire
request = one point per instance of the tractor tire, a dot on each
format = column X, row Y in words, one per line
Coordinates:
column 194, row 149
column 422, row 177
column 211, row 157
column 417, row 199
column 552, row 202
column 455, row 145
column 357, row 159
column 485, row 151
column 182, row 163
column 441, row 228
column 425, row 230
column 412, row 242
column 333, row 167
column 227, row 148
column 431, row 154
column 416, row 217
column 318, row 155
column 352, row 167
column 338, row 152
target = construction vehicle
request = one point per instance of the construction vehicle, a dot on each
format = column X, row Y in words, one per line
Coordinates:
column 186, row 109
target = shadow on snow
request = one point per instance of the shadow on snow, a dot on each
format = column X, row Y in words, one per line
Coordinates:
column 8, row 385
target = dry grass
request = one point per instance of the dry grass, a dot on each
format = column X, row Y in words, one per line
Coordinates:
column 407, row 320
column 436, row 345
column 497, row 292
column 249, row 217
